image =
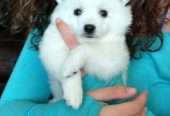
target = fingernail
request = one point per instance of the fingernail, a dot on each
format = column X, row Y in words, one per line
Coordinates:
column 58, row 20
column 131, row 91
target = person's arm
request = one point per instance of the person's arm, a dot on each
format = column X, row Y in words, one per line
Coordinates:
column 28, row 77
column 152, row 73
column 159, row 100
column 27, row 91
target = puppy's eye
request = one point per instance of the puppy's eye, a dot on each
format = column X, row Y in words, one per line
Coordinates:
column 78, row 12
column 103, row 13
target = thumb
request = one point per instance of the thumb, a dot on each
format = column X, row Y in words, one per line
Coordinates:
column 66, row 33
column 131, row 108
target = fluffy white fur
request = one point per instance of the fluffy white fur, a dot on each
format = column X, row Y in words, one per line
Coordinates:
column 105, row 54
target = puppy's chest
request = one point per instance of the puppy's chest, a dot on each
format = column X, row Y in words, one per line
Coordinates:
column 98, row 62
column 107, row 61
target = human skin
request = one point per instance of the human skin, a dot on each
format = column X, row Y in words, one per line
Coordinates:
column 166, row 27
column 135, row 107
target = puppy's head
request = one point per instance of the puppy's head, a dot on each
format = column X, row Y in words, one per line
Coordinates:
column 94, row 19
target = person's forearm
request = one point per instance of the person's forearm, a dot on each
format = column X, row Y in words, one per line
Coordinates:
column 90, row 107
column 16, row 108
column 159, row 99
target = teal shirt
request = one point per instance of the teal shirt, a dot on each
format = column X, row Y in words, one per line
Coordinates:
column 27, row 91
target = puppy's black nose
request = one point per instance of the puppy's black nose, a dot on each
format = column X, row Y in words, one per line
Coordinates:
column 89, row 28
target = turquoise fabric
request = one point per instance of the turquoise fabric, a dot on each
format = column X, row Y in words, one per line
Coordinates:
column 27, row 91
column 152, row 73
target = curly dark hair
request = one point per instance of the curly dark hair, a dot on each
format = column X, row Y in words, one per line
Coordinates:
column 148, row 18
column 20, row 14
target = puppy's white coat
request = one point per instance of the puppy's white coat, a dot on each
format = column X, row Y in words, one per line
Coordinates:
column 102, row 52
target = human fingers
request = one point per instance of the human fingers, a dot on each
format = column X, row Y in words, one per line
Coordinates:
column 66, row 33
column 132, row 108
column 110, row 93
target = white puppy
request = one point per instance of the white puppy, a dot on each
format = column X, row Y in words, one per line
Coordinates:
column 100, row 28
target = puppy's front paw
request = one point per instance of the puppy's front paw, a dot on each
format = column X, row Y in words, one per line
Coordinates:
column 74, row 99
column 73, row 92
column 72, row 65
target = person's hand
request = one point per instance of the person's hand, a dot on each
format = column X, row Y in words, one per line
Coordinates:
column 132, row 108
column 135, row 107
column 67, row 35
